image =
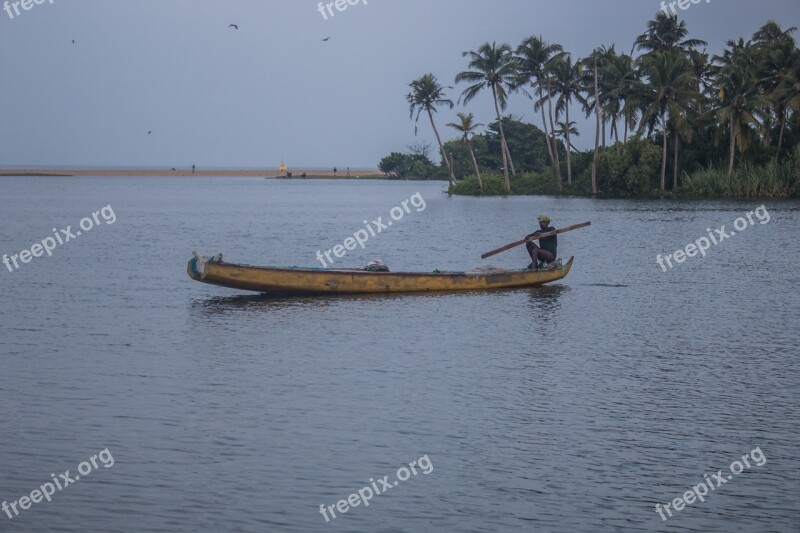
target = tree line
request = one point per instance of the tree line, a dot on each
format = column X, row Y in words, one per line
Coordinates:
column 743, row 103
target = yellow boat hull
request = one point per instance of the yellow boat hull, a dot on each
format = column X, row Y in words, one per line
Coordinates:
column 298, row 281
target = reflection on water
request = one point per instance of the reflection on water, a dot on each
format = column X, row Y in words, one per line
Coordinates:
column 611, row 285
column 224, row 305
column 257, row 303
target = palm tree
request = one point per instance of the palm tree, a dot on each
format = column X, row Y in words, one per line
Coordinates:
column 567, row 84
column 790, row 93
column 533, row 56
column 492, row 67
column 701, row 65
column 667, row 96
column 619, row 75
column 597, row 115
column 599, row 102
column 771, row 32
column 611, row 105
column 546, row 98
column 608, row 105
column 467, row 127
column 738, row 99
column 565, row 129
column 778, row 61
column 666, row 34
column 426, row 95
column 590, row 80
column 631, row 109
column 682, row 129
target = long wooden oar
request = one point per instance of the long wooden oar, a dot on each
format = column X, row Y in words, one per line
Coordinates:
column 541, row 235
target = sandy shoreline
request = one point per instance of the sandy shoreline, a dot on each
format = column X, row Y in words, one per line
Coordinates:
column 249, row 173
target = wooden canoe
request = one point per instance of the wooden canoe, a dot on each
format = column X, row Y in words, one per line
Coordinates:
column 300, row 281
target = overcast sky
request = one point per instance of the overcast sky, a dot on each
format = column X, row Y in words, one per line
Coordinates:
column 273, row 90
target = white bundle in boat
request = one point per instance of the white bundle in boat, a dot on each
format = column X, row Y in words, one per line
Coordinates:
column 376, row 265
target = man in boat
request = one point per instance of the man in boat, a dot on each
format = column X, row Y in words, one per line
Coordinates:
column 547, row 251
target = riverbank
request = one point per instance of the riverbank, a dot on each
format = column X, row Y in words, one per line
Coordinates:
column 773, row 181
column 173, row 172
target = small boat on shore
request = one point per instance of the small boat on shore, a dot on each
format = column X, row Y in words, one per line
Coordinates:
column 308, row 281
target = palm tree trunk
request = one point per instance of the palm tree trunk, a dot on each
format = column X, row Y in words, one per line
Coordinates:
column 556, row 156
column 603, row 114
column 569, row 148
column 452, row 178
column 783, row 129
column 546, row 134
column 510, row 161
column 732, row 159
column 625, row 139
column 767, row 126
column 502, row 141
column 597, row 127
column 475, row 162
column 664, row 161
column 557, row 153
column 676, row 170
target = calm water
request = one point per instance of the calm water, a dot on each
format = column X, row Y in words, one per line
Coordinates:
column 575, row 407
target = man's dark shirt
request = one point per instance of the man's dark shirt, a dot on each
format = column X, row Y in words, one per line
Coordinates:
column 549, row 244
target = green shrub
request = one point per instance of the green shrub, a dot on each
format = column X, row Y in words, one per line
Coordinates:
column 533, row 184
column 631, row 171
column 493, row 185
column 528, row 183
column 772, row 180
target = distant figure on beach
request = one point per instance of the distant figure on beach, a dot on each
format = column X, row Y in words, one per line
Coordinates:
column 547, row 251
column 348, row 171
column 334, row 171
column 192, row 169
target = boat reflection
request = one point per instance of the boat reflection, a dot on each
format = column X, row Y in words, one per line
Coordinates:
column 262, row 303
column 545, row 304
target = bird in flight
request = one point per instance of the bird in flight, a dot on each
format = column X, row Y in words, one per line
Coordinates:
column 326, row 39
column 149, row 132
column 73, row 41
column 234, row 26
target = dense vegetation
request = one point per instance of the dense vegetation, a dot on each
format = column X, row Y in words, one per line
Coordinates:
column 670, row 120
